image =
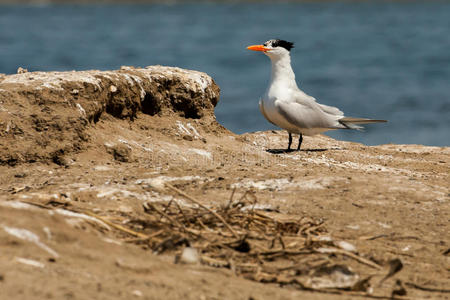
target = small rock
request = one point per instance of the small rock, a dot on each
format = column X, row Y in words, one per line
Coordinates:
column 120, row 152
column 21, row 70
column 74, row 92
column 137, row 293
column 334, row 276
column 189, row 256
column 188, row 137
column 125, row 209
column 60, row 160
column 113, row 89
column 20, row 175
column 126, row 68
column 156, row 184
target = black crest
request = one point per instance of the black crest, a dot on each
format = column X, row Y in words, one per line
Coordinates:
column 281, row 43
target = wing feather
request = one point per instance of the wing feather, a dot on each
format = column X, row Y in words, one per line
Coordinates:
column 360, row 120
column 331, row 110
column 306, row 116
column 304, row 112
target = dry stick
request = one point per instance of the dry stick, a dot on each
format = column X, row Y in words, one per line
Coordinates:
column 119, row 227
column 203, row 206
column 424, row 288
column 174, row 221
column 301, row 263
column 36, row 204
column 244, row 195
column 181, row 211
column 72, row 210
column 168, row 205
column 203, row 225
column 273, row 253
column 231, row 199
column 371, row 238
column 264, row 216
column 282, row 242
column 163, row 214
column 198, row 233
column 312, row 228
column 153, row 235
column 351, row 255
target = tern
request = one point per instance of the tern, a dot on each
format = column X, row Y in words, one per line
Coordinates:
column 289, row 108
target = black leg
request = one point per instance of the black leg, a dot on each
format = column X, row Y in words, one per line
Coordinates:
column 290, row 141
column 300, row 140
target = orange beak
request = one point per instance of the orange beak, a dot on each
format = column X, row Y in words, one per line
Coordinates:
column 258, row 48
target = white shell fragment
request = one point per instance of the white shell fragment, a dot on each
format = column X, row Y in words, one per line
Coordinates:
column 345, row 246
column 190, row 256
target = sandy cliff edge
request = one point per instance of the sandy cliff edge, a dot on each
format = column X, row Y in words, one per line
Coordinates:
column 106, row 142
column 45, row 115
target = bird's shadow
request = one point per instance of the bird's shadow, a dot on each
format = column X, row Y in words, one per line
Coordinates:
column 282, row 151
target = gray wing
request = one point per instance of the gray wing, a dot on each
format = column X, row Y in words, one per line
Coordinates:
column 305, row 99
column 331, row 110
column 306, row 113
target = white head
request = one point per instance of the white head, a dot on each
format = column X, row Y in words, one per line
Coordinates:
column 275, row 49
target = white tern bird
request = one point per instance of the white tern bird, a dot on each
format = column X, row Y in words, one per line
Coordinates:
column 288, row 107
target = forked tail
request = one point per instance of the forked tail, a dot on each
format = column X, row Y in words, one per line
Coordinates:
column 353, row 123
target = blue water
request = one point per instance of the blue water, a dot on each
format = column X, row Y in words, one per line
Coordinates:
column 378, row 59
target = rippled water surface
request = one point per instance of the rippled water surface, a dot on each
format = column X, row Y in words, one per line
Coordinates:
column 377, row 59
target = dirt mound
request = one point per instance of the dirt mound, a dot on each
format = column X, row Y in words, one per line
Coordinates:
column 45, row 115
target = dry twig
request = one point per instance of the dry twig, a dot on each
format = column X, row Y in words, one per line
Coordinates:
column 351, row 255
column 203, row 206
column 119, row 227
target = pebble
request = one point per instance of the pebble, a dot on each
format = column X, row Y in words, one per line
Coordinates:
column 189, row 256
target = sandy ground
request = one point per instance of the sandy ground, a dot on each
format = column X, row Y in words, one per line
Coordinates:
column 100, row 171
column 389, row 201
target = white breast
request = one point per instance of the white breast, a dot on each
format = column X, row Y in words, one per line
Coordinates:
column 272, row 115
